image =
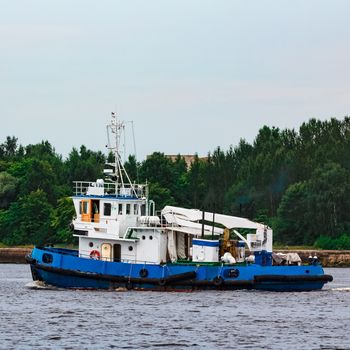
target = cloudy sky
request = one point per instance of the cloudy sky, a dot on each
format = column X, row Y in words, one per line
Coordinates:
column 192, row 75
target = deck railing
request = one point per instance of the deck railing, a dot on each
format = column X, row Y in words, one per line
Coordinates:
column 86, row 254
column 110, row 188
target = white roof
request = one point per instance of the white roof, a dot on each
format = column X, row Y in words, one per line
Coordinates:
column 191, row 217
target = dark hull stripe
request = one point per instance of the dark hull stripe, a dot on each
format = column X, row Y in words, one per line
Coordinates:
column 187, row 279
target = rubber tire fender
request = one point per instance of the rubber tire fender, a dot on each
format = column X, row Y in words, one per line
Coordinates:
column 162, row 282
column 143, row 273
column 218, row 281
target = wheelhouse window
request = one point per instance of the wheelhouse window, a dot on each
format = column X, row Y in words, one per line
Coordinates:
column 107, row 209
column 135, row 209
column 143, row 209
column 83, row 207
column 128, row 209
column 120, row 209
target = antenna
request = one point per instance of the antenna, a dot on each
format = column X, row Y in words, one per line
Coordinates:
column 134, row 144
column 116, row 128
column 133, row 137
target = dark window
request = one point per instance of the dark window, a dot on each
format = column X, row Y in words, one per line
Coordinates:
column 95, row 207
column 107, row 208
column 91, row 244
column 116, row 252
column 80, row 233
column 120, row 209
column 135, row 209
column 127, row 209
column 143, row 209
column 83, row 207
column 131, row 248
column 150, row 237
column 143, row 237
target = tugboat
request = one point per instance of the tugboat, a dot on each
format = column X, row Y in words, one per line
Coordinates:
column 123, row 244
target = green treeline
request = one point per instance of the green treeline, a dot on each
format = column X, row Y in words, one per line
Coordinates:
column 298, row 182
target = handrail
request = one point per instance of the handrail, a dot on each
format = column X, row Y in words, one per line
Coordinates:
column 111, row 189
column 134, row 261
column 72, row 252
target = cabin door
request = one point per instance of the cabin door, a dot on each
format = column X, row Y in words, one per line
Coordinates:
column 106, row 251
column 117, row 252
column 84, row 210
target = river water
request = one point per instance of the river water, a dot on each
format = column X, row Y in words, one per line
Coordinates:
column 70, row 319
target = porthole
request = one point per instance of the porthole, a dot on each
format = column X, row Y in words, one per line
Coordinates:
column 131, row 248
column 150, row 237
column 143, row 237
column 47, row 258
column 231, row 273
column 91, row 244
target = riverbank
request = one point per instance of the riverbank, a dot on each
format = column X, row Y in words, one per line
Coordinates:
column 13, row 255
column 328, row 258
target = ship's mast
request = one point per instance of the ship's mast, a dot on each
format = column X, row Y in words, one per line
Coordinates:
column 121, row 177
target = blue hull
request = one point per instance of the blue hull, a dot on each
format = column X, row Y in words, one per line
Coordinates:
column 64, row 268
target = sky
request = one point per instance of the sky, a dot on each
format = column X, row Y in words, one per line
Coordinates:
column 191, row 74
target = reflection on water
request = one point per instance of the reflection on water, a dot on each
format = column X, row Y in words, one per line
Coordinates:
column 51, row 318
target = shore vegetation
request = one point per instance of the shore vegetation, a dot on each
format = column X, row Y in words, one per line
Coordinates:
column 296, row 181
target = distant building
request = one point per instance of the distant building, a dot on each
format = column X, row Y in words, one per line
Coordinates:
column 189, row 158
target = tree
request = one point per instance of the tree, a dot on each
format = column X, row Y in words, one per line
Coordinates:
column 27, row 221
column 220, row 173
column 8, row 189
column 157, row 168
column 61, row 219
column 317, row 207
column 9, row 147
column 132, row 168
column 329, row 200
column 297, row 181
column 84, row 165
column 292, row 225
column 34, row 174
column 196, row 183
column 240, row 200
column 161, row 195
column 180, row 185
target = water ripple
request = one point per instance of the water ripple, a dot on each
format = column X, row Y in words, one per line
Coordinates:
column 71, row 319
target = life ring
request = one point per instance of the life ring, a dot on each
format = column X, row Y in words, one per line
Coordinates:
column 95, row 254
column 143, row 273
column 218, row 281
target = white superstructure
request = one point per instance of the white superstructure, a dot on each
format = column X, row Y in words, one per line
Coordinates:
column 115, row 221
